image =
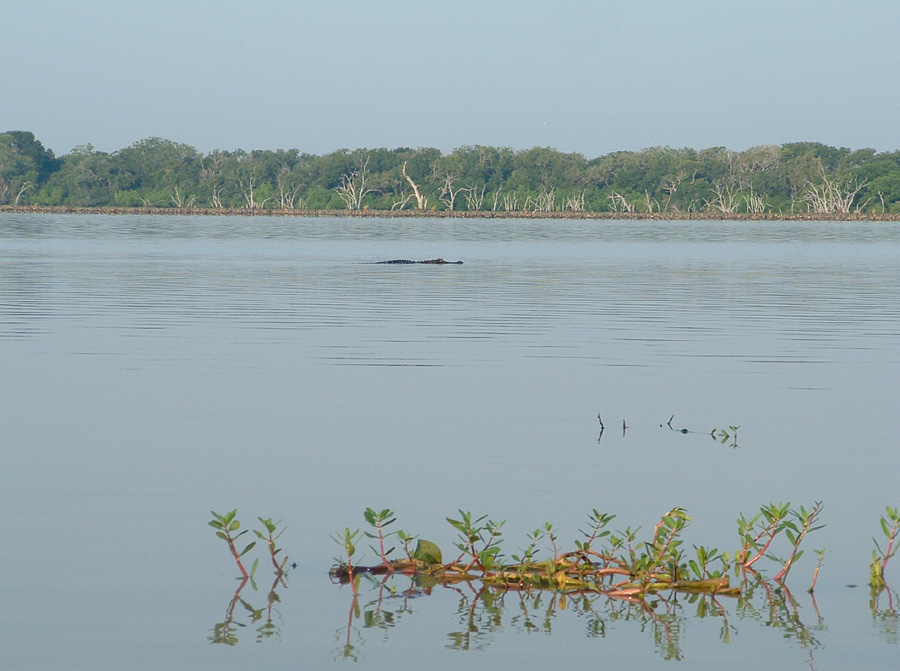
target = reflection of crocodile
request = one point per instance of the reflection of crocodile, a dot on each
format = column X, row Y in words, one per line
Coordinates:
column 437, row 261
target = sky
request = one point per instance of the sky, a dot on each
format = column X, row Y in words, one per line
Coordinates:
column 591, row 77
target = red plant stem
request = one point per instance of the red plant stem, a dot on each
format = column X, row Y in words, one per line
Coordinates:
column 772, row 529
column 272, row 554
column 814, row 578
column 887, row 554
column 384, row 559
column 229, row 616
column 350, row 619
column 237, row 557
column 352, row 580
column 672, row 535
column 807, row 523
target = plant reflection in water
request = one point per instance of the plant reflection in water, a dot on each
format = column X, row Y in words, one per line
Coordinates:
column 263, row 619
column 482, row 611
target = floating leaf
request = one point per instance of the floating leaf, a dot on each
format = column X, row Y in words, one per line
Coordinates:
column 428, row 552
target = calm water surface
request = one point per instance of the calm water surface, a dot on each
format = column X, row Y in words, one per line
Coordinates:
column 155, row 368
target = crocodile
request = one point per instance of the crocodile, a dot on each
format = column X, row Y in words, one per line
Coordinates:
column 435, row 261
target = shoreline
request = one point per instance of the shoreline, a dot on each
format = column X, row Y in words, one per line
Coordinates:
column 447, row 214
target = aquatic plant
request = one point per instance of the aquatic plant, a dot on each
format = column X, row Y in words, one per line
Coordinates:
column 379, row 521
column 700, row 566
column 348, row 540
column 820, row 554
column 720, row 435
column 758, row 532
column 226, row 525
column 890, row 527
column 619, row 564
column 269, row 537
column 724, row 436
column 796, row 535
column 609, row 575
column 479, row 540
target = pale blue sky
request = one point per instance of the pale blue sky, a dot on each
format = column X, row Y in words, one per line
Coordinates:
column 592, row 77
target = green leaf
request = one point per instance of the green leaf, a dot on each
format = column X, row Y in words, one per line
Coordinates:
column 457, row 525
column 248, row 548
column 221, row 534
column 427, row 552
column 234, row 526
column 255, row 565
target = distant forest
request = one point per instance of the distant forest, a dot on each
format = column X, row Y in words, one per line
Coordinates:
column 772, row 180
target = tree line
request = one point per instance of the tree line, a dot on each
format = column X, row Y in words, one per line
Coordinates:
column 794, row 178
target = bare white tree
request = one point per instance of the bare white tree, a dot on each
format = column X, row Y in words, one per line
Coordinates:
column 575, row 203
column 182, row 201
column 248, row 183
column 545, row 201
column 670, row 188
column 449, row 192
column 619, row 203
column 421, row 199
column 402, row 202
column 289, row 186
column 216, row 197
column 755, row 203
column 26, row 186
column 833, row 196
column 355, row 186
column 726, row 196
column 475, row 198
column 495, row 198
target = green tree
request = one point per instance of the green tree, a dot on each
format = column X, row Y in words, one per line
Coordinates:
column 163, row 173
column 84, row 180
column 25, row 165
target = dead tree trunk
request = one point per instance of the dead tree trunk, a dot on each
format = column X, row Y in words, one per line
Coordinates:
column 421, row 200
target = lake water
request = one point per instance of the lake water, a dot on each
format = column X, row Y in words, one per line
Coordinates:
column 156, row 368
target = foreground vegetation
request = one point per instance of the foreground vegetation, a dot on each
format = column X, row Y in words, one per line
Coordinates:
column 617, row 564
column 608, row 576
column 155, row 174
